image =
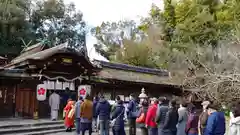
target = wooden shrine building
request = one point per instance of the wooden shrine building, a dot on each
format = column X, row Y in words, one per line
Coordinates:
column 61, row 67
column 121, row 79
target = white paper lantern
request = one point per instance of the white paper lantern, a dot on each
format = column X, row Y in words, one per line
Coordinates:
column 41, row 92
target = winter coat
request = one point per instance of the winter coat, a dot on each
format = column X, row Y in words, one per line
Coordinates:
column 103, row 109
column 182, row 120
column 161, row 115
column 132, row 107
column 151, row 115
column 86, row 111
column 144, row 110
column 215, row 124
column 203, row 121
column 95, row 102
column 171, row 120
column 234, row 128
column 192, row 123
column 77, row 108
column 118, row 114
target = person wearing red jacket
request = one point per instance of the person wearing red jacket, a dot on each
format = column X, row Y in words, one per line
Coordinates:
column 150, row 123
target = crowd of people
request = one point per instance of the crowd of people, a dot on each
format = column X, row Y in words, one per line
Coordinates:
column 153, row 117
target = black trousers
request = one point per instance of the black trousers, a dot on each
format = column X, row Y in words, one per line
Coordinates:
column 144, row 131
column 118, row 131
column 132, row 126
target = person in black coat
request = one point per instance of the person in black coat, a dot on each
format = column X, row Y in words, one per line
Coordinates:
column 118, row 115
column 171, row 120
column 161, row 114
column 143, row 109
column 132, row 114
column 103, row 110
column 95, row 102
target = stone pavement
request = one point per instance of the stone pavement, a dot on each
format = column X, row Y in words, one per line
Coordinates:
column 74, row 133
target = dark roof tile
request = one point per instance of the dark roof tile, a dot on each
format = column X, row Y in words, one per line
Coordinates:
column 126, row 67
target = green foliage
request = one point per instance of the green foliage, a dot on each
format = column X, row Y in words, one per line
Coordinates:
column 27, row 21
column 58, row 22
column 136, row 54
column 110, row 36
column 183, row 26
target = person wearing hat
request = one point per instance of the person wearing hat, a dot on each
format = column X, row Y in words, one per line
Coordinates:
column 216, row 121
column 203, row 117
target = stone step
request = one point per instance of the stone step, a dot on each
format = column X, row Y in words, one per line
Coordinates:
column 28, row 129
column 29, row 124
column 47, row 132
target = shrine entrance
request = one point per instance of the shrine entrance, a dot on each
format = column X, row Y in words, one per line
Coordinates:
column 60, row 68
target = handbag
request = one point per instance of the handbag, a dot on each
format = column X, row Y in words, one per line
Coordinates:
column 141, row 118
column 114, row 120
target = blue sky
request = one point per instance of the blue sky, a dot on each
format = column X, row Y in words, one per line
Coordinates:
column 97, row 11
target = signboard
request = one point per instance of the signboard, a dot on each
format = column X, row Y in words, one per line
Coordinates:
column 83, row 90
column 66, row 60
column 41, row 92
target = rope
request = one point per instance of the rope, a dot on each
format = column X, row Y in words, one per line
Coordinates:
column 61, row 77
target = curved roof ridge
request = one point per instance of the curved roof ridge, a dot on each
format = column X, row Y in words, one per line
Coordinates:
column 133, row 68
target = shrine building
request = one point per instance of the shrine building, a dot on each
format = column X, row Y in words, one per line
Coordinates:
column 64, row 69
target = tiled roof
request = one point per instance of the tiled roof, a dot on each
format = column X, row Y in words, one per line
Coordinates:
column 132, row 68
column 41, row 55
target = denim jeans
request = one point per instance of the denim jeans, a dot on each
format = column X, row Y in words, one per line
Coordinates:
column 104, row 127
column 152, row 131
column 94, row 124
column 85, row 127
column 78, row 128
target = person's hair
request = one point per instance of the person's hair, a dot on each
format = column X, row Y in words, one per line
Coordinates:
column 145, row 103
column 102, row 96
column 88, row 97
column 173, row 103
column 214, row 105
column 192, row 108
column 236, row 109
column 118, row 98
column 67, row 89
column 69, row 100
column 184, row 103
column 155, row 100
column 162, row 99
column 132, row 95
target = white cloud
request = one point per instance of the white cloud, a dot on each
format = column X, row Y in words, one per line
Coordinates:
column 97, row 11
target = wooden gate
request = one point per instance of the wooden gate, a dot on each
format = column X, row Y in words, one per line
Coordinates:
column 7, row 101
column 26, row 103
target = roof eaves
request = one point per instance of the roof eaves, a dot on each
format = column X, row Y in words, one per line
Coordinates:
column 40, row 54
column 126, row 67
